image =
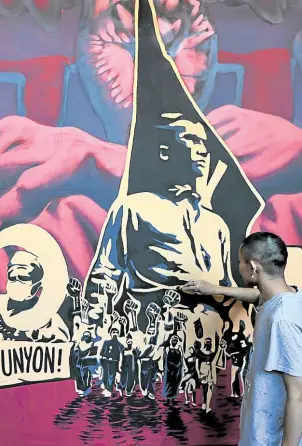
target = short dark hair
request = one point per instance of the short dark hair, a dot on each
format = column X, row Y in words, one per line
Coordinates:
column 268, row 249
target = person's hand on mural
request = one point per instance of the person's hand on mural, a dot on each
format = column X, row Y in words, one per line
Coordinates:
column 203, row 288
column 51, row 180
column 264, row 144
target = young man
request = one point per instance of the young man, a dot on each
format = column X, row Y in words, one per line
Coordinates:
column 272, row 406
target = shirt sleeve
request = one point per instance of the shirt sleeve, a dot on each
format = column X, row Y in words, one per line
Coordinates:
column 285, row 349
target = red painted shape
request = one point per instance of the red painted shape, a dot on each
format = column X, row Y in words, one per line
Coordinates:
column 3, row 271
column 282, row 215
column 44, row 85
column 266, row 72
column 42, row 160
column 43, row 5
column 7, row 2
column 267, row 81
column 264, row 144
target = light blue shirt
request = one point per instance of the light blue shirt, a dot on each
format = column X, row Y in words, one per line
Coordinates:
column 277, row 348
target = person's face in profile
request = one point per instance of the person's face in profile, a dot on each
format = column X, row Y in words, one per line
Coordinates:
column 193, row 136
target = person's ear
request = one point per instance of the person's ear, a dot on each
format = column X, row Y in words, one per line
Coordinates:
column 254, row 268
column 164, row 152
column 36, row 289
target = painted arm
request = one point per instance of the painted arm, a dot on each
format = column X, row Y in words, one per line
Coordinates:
column 197, row 368
column 293, row 410
column 105, row 279
column 110, row 253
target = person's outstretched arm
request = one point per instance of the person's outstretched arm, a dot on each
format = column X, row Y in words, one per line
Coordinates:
column 250, row 295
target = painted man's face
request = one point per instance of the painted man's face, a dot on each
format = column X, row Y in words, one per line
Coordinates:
column 193, row 135
column 174, row 342
column 208, row 344
column 114, row 333
column 20, row 276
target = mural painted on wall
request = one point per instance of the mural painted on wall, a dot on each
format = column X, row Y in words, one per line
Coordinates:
column 139, row 144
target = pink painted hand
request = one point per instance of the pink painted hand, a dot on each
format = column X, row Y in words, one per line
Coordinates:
column 263, row 144
column 41, row 172
column 283, row 216
column 112, row 61
column 190, row 60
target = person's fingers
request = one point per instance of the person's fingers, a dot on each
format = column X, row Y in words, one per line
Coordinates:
column 203, row 25
column 190, row 289
column 124, row 37
column 94, row 38
column 128, row 101
column 103, row 68
column 195, row 6
column 120, row 98
column 224, row 114
column 111, row 32
column 112, row 75
column 100, row 60
column 126, row 18
column 95, row 48
column 189, row 283
column 104, row 35
column 15, row 131
column 198, row 21
column 226, row 129
column 176, row 25
column 19, row 158
column 193, row 42
column 115, row 92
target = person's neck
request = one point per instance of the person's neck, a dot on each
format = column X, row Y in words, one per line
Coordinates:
column 16, row 306
column 271, row 286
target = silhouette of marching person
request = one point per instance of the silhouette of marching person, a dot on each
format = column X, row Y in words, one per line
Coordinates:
column 111, row 357
column 173, row 368
column 129, row 367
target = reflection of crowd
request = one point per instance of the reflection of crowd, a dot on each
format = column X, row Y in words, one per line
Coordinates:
column 114, row 353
